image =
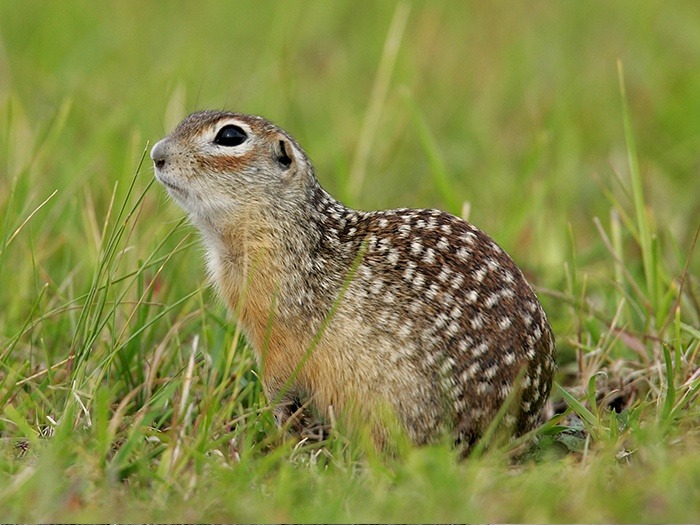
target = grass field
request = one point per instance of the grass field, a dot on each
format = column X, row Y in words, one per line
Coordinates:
column 570, row 132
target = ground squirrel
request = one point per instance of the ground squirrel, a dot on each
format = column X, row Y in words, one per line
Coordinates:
column 414, row 309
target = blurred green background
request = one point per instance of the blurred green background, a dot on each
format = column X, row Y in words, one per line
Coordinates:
column 521, row 98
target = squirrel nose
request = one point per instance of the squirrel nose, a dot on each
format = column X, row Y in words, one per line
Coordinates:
column 159, row 154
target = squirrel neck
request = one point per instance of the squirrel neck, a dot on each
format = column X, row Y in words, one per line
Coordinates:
column 283, row 263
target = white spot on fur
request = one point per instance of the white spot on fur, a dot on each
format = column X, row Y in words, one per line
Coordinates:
column 393, row 257
column 372, row 243
column 432, row 292
column 504, row 323
column 480, row 350
column 453, row 329
column 492, row 264
column 483, row 388
column 447, row 366
column 365, row 272
column 491, row 371
column 457, row 281
column 376, row 287
column 477, row 322
column 468, row 237
column 418, row 281
column 463, row 253
column 465, row 343
column 491, row 300
column 470, row 373
column 416, row 247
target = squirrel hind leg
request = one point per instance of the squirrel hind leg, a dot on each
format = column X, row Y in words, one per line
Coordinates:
column 297, row 419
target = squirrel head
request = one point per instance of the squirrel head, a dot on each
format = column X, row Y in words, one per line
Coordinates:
column 218, row 164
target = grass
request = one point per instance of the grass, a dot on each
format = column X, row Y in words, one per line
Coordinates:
column 568, row 132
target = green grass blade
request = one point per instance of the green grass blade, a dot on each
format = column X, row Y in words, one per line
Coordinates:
column 644, row 227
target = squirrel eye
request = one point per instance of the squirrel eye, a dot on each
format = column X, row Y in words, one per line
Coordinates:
column 230, row 136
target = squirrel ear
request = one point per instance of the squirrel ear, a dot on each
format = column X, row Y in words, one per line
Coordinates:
column 282, row 154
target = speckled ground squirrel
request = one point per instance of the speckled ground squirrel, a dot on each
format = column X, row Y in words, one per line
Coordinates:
column 414, row 309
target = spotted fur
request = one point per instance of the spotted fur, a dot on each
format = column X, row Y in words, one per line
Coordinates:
column 352, row 311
